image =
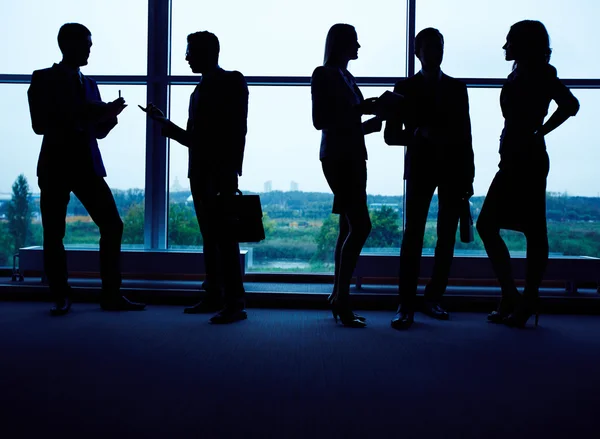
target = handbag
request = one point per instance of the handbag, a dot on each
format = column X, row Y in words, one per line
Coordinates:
column 466, row 222
column 241, row 216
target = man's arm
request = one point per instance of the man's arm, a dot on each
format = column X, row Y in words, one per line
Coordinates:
column 238, row 116
column 466, row 141
column 395, row 131
column 103, row 127
column 38, row 98
column 172, row 131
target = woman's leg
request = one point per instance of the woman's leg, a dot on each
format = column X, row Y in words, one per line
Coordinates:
column 342, row 237
column 537, row 261
column 359, row 227
column 488, row 226
column 537, row 232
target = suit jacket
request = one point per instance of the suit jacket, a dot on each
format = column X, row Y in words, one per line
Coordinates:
column 334, row 99
column 62, row 109
column 445, row 114
column 217, row 124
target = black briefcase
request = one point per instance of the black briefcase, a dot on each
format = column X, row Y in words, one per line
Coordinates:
column 242, row 216
column 466, row 222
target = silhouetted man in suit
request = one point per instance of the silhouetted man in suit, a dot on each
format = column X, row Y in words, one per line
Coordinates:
column 215, row 136
column 435, row 126
column 67, row 110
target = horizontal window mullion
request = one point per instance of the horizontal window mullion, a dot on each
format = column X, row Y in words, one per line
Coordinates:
column 100, row 79
column 289, row 81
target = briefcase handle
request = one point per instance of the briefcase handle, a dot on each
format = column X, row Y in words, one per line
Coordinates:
column 237, row 192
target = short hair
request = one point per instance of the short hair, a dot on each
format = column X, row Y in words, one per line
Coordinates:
column 426, row 34
column 338, row 37
column 71, row 31
column 207, row 41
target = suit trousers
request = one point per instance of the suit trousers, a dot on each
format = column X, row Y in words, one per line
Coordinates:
column 419, row 192
column 97, row 198
column 221, row 251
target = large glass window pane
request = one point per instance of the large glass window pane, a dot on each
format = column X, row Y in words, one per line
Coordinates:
column 573, row 194
column 123, row 152
column 29, row 28
column 271, row 37
column 282, row 164
column 475, row 31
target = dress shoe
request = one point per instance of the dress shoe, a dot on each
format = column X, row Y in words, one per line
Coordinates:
column 61, row 307
column 403, row 319
column 433, row 309
column 120, row 303
column 229, row 315
column 507, row 305
column 204, row 306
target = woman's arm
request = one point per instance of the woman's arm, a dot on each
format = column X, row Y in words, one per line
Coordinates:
column 568, row 106
column 328, row 110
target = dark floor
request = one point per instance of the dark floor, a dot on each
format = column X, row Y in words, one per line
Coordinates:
column 293, row 373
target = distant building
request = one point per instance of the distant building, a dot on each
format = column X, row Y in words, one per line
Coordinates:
column 268, row 186
column 294, row 187
column 176, row 187
column 378, row 206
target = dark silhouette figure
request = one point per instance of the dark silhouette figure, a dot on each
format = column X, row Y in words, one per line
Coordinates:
column 337, row 107
column 435, row 126
column 215, row 136
column 67, row 110
column 516, row 199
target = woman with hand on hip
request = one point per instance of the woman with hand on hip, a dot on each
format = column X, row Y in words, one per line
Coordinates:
column 337, row 107
column 516, row 199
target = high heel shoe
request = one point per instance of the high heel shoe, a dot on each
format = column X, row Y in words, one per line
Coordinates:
column 346, row 316
column 519, row 318
column 507, row 305
column 331, row 300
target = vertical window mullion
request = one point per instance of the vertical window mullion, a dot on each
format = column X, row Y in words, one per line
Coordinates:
column 157, row 176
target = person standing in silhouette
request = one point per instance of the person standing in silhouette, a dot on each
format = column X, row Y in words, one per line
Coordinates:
column 215, row 137
column 435, row 126
column 67, row 110
column 337, row 107
column 516, row 199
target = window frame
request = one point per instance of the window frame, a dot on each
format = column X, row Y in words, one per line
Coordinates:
column 158, row 81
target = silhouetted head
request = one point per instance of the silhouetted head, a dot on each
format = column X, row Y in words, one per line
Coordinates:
column 202, row 51
column 429, row 48
column 75, row 42
column 341, row 45
column 528, row 43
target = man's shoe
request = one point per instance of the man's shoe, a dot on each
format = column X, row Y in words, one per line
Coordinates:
column 120, row 303
column 433, row 309
column 61, row 307
column 203, row 307
column 229, row 315
column 403, row 319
